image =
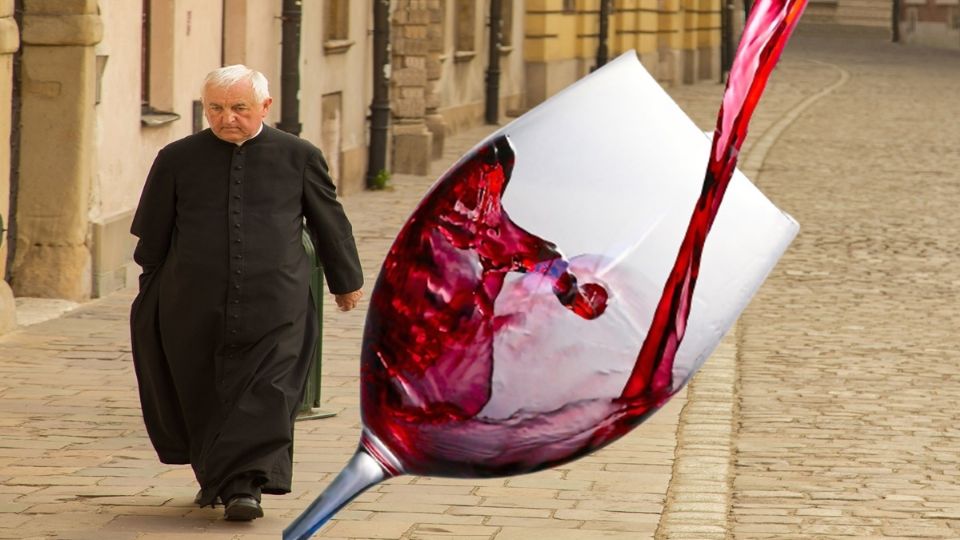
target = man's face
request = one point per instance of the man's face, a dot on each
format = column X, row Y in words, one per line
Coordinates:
column 233, row 112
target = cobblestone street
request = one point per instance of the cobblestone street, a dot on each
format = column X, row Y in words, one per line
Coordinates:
column 829, row 411
column 849, row 379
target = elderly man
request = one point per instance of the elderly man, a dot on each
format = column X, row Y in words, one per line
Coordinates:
column 224, row 329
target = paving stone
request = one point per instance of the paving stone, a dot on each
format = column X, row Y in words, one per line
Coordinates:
column 426, row 518
column 639, row 528
column 515, row 533
column 531, row 523
column 604, row 515
column 541, row 513
column 361, row 529
column 522, row 502
column 430, row 530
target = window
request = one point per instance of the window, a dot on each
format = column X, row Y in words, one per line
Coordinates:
column 464, row 40
column 156, row 63
column 336, row 26
column 569, row 6
column 336, row 15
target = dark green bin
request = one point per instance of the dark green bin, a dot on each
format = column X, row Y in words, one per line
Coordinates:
column 309, row 407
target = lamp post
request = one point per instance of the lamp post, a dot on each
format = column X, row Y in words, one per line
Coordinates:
column 493, row 65
column 380, row 106
column 603, row 53
column 15, row 120
column 290, row 68
column 726, row 37
column 895, row 21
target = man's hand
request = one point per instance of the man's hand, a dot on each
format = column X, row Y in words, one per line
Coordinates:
column 349, row 300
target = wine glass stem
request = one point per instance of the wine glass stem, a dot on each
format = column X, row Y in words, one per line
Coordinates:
column 362, row 472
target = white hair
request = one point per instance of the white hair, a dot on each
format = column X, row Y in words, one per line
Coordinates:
column 237, row 73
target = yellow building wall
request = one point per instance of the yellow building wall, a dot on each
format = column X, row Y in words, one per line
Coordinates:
column 550, row 32
column 676, row 40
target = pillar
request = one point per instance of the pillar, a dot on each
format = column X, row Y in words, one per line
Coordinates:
column 9, row 43
column 59, row 76
column 432, row 117
column 412, row 140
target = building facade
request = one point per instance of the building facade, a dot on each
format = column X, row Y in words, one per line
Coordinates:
column 865, row 13
column 104, row 84
column 933, row 23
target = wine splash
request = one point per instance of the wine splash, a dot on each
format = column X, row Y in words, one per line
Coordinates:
column 430, row 347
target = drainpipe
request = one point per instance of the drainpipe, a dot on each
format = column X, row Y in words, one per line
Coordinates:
column 726, row 37
column 223, row 32
column 380, row 106
column 895, row 19
column 17, row 101
column 603, row 53
column 493, row 65
column 290, row 68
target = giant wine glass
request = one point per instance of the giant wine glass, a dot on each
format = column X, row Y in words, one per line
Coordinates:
column 490, row 352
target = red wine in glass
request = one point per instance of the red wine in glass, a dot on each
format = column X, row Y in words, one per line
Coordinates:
column 427, row 360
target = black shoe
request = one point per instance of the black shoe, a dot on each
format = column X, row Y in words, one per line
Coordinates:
column 196, row 500
column 242, row 508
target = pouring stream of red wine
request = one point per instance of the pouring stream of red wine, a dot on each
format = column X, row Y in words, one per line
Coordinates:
column 764, row 37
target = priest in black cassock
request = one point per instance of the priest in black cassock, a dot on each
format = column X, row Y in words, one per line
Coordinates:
column 224, row 328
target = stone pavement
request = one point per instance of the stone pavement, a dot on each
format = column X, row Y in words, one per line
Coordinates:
column 829, row 410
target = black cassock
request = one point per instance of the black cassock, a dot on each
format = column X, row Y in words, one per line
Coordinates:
column 224, row 329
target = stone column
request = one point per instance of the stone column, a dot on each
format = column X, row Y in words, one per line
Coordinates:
column 702, row 28
column 670, row 42
column 433, row 119
column 412, row 141
column 9, row 42
column 709, row 45
column 59, row 77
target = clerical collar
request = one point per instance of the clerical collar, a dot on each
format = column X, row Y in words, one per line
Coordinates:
column 254, row 136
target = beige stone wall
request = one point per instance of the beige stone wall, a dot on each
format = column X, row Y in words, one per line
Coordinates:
column 119, row 164
column 119, row 167
column 930, row 34
column 461, row 83
column 252, row 31
column 195, row 41
column 512, row 66
column 185, row 46
column 871, row 13
column 930, row 23
column 9, row 42
column 334, row 91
